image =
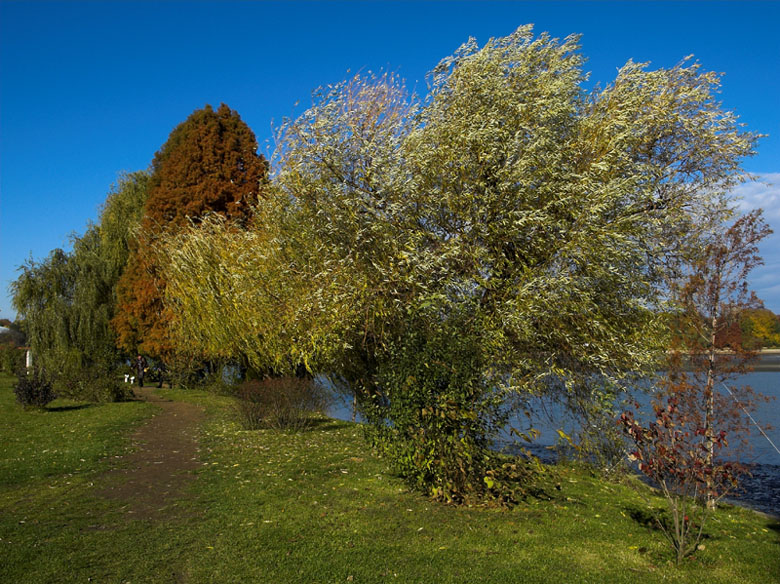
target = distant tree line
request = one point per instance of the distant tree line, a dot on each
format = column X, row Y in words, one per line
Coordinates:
column 756, row 327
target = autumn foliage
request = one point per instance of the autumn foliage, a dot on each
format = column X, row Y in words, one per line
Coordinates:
column 673, row 451
column 679, row 447
column 761, row 327
column 208, row 165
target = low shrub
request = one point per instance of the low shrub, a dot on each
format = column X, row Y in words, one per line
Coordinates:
column 671, row 449
column 94, row 384
column 33, row 389
column 222, row 378
column 11, row 358
column 215, row 376
column 283, row 403
column 436, row 422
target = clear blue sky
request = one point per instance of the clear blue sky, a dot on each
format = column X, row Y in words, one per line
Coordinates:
column 91, row 89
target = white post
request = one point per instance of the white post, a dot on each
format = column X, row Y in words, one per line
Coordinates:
column 28, row 358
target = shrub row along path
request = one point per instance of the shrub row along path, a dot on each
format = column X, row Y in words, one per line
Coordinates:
column 163, row 461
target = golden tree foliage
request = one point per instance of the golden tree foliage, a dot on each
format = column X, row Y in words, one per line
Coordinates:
column 762, row 326
column 550, row 209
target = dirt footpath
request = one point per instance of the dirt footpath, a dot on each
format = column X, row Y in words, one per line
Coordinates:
column 150, row 479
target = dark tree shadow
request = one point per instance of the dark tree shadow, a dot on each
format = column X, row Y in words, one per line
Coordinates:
column 323, row 425
column 774, row 525
column 68, row 408
column 642, row 516
column 311, row 425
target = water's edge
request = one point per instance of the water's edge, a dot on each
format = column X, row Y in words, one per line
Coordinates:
column 760, row 490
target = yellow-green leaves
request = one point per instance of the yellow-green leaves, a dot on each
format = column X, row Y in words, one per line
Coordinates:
column 530, row 218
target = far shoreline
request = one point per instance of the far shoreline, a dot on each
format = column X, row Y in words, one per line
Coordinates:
column 768, row 361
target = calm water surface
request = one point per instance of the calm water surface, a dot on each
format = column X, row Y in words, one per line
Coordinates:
column 762, row 490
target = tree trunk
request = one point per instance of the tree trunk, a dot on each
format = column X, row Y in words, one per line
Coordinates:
column 709, row 411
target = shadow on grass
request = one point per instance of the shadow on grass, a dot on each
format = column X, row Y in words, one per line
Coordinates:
column 312, row 425
column 643, row 517
column 324, row 425
column 68, row 408
column 775, row 526
column 650, row 520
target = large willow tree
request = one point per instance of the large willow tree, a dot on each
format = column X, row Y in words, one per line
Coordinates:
column 507, row 234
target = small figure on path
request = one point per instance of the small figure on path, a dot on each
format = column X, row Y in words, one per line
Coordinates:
column 160, row 370
column 140, row 367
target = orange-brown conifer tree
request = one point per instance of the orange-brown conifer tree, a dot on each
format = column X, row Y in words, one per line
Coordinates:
column 209, row 164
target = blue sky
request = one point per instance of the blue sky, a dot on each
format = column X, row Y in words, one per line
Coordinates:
column 88, row 90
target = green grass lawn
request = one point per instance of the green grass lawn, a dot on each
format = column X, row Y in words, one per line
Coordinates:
column 319, row 507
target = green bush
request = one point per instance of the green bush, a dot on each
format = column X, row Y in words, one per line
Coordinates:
column 282, row 403
column 33, row 389
column 11, row 358
column 436, row 416
column 94, row 384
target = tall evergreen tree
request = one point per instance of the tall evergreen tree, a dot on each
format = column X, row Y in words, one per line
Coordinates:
column 208, row 165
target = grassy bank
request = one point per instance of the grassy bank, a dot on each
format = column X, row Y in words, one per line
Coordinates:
column 319, row 507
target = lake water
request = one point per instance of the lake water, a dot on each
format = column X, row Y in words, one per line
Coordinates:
column 760, row 491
